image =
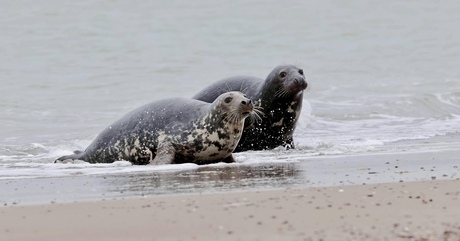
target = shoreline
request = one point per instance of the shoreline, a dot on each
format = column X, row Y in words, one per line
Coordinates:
column 297, row 172
column 421, row 210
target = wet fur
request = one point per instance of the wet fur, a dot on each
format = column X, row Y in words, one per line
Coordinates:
column 180, row 130
column 278, row 103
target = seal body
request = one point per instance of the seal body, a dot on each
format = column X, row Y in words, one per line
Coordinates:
column 278, row 99
column 173, row 131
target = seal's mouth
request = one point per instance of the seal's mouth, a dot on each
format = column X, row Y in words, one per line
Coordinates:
column 300, row 85
column 296, row 89
column 247, row 110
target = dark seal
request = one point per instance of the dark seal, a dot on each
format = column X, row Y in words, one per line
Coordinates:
column 277, row 99
column 173, row 131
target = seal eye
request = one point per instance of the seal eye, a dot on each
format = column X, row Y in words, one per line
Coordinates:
column 283, row 74
column 228, row 100
column 300, row 71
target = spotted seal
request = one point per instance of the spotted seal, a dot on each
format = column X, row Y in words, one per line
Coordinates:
column 278, row 99
column 173, row 131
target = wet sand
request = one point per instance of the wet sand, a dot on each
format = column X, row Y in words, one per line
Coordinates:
column 423, row 210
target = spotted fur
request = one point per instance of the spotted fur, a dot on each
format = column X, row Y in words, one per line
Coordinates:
column 173, row 131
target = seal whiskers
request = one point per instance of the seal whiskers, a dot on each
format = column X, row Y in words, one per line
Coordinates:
column 256, row 115
column 283, row 92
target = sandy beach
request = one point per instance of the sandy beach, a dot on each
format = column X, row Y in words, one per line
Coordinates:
column 424, row 210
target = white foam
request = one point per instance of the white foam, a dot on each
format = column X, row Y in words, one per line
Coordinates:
column 34, row 170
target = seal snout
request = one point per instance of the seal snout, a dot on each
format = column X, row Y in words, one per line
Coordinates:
column 246, row 106
column 300, row 82
column 246, row 102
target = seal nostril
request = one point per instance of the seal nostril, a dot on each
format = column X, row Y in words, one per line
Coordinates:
column 249, row 101
column 243, row 102
column 300, row 81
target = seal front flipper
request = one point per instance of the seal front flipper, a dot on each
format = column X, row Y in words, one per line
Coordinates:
column 165, row 155
column 228, row 159
column 289, row 144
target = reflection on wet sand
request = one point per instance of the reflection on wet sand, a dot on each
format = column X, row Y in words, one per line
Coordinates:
column 208, row 179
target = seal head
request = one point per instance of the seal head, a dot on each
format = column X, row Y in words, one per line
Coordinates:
column 284, row 82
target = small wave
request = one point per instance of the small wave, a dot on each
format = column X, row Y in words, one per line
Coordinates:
column 331, row 136
column 449, row 99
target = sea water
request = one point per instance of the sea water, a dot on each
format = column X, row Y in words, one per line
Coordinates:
column 384, row 76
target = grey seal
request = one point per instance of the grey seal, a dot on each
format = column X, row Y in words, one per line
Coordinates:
column 172, row 131
column 277, row 99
